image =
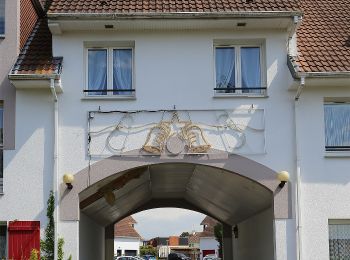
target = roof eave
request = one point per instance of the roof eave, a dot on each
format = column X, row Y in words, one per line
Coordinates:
column 176, row 15
column 297, row 74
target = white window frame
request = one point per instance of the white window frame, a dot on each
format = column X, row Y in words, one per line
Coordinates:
column 110, row 72
column 336, row 151
column 238, row 74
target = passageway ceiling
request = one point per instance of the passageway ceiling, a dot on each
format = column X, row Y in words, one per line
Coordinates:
column 226, row 196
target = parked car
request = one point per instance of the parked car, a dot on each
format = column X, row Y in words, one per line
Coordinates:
column 211, row 257
column 125, row 258
column 149, row 257
column 178, row 256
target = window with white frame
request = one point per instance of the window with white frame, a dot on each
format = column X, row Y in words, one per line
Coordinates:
column 3, row 240
column 339, row 239
column 2, row 17
column 238, row 69
column 337, row 126
column 109, row 72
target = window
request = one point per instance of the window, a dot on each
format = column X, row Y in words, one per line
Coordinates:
column 3, row 242
column 109, row 71
column 238, row 69
column 2, row 17
column 339, row 240
column 337, row 126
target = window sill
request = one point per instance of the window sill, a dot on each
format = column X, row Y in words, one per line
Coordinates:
column 335, row 154
column 2, row 36
column 109, row 98
column 232, row 95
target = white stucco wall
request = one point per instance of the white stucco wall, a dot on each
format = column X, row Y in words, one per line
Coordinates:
column 255, row 238
column 91, row 239
column 176, row 68
column 126, row 243
column 325, row 180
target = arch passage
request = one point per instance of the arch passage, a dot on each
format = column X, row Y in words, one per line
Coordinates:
column 229, row 188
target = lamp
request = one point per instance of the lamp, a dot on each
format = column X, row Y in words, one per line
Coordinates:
column 235, row 231
column 68, row 180
column 283, row 177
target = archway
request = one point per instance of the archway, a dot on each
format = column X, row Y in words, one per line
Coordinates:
column 232, row 189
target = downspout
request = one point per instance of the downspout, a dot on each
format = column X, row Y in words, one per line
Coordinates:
column 55, row 163
column 298, row 169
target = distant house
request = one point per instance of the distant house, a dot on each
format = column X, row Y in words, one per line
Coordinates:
column 126, row 239
column 207, row 242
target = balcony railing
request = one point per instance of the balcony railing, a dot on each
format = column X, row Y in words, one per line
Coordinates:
column 337, row 148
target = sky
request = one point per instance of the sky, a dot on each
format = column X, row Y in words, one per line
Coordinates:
column 165, row 222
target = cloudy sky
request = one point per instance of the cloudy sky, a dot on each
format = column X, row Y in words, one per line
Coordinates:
column 166, row 222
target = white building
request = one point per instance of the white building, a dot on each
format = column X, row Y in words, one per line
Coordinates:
column 126, row 239
column 194, row 105
column 208, row 245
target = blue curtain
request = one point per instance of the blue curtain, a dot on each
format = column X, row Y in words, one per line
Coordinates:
column 337, row 124
column 225, row 68
column 97, row 71
column 122, row 71
column 2, row 16
column 250, row 69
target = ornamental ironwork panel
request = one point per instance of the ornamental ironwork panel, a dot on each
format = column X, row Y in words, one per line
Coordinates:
column 175, row 132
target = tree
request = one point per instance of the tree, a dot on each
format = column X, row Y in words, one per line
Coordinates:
column 185, row 234
column 48, row 243
column 148, row 250
column 218, row 236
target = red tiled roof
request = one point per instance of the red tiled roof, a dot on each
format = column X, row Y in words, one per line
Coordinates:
column 169, row 6
column 36, row 55
column 124, row 228
column 324, row 36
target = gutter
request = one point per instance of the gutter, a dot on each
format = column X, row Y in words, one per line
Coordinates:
column 55, row 165
column 174, row 15
column 33, row 76
column 298, row 191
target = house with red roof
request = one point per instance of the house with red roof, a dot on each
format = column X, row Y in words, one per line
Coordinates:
column 127, row 240
column 238, row 109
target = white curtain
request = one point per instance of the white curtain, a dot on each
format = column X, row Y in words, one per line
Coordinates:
column 250, row 69
column 97, row 74
column 225, row 68
column 122, row 71
column 337, row 124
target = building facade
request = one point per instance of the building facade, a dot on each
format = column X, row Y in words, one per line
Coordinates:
column 126, row 239
column 192, row 105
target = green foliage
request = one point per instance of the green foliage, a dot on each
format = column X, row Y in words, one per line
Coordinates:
column 218, row 232
column 148, row 250
column 48, row 243
column 60, row 253
column 185, row 234
column 70, row 257
column 34, row 254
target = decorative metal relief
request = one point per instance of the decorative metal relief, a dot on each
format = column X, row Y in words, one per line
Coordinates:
column 173, row 132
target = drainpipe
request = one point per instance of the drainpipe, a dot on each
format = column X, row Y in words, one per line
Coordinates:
column 55, row 163
column 298, row 176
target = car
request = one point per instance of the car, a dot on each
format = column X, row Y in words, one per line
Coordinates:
column 126, row 258
column 149, row 257
column 178, row 256
column 211, row 257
